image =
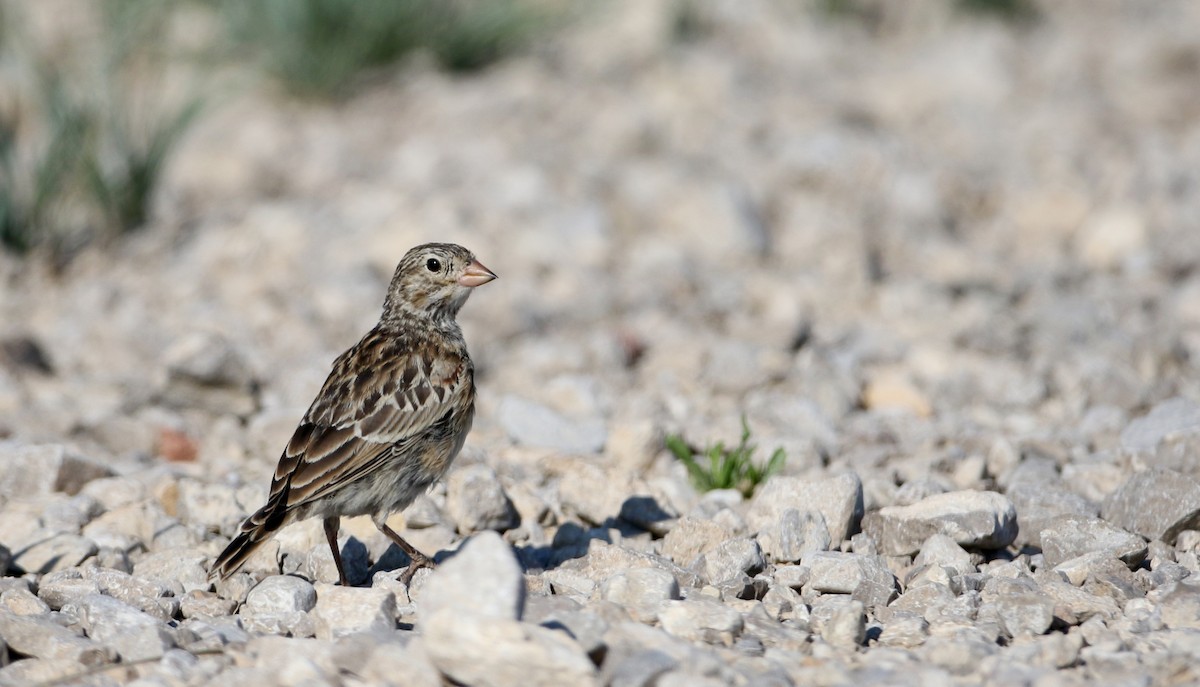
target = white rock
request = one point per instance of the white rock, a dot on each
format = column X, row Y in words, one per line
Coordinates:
column 281, row 594
column 476, row 501
column 642, row 591
column 839, row 499
column 496, row 652
column 701, row 620
column 483, row 578
column 342, row 611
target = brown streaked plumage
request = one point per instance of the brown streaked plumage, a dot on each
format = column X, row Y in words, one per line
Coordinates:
column 390, row 418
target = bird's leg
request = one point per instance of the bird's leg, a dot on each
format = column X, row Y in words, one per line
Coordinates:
column 419, row 560
column 331, row 532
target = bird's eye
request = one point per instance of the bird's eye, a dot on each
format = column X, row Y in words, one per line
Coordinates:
column 433, row 264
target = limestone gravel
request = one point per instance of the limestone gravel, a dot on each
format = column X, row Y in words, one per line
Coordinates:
column 954, row 275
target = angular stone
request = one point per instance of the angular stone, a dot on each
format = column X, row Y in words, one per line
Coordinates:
column 134, row 634
column 833, row 572
column 181, row 570
column 58, row 552
column 143, row 595
column 1172, row 418
column 692, row 537
column 796, row 533
column 1024, row 614
column 733, row 558
column 212, row 506
column 701, row 620
column 43, row 637
column 483, row 577
column 1039, row 502
column 641, row 592
column 31, row 470
column 1068, row 536
column 840, row 621
column 498, row 652
column 1157, row 504
column 839, row 499
column 973, row 519
column 943, row 551
column 476, row 501
column 342, row 611
column 280, row 594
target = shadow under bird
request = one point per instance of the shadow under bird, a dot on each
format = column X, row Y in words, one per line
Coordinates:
column 390, row 418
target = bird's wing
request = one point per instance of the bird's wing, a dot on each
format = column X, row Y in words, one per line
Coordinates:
column 381, row 396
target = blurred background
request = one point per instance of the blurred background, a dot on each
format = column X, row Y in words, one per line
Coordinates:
column 889, row 234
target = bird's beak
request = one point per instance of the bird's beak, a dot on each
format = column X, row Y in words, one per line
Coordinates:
column 476, row 275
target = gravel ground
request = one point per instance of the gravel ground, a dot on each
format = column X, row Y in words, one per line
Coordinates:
column 948, row 263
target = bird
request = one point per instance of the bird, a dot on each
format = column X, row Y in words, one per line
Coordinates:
column 388, row 421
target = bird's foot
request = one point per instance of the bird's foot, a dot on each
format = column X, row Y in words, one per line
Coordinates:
column 419, row 561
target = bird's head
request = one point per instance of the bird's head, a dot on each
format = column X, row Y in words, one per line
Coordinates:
column 434, row 280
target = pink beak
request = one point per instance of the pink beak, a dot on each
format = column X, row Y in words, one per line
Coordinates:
column 476, row 275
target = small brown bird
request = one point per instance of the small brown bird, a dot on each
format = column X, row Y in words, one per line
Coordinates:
column 390, row 418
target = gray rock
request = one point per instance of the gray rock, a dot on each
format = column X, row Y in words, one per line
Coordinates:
column 198, row 604
column 782, row 602
column 839, row 499
column 20, row 601
column 212, row 506
column 143, row 595
column 476, row 501
column 484, row 578
column 134, row 634
column 181, row 570
column 878, row 586
column 57, row 552
column 701, row 620
column 1157, row 504
column 343, row 611
column 1075, row 605
column 943, row 551
column 533, row 424
column 973, row 519
column 42, row 636
column 692, row 537
column 795, row 534
column 1022, row 613
column 793, row 576
column 1179, row 605
column 866, row 578
column 733, row 558
column 604, row 560
column 498, row 652
column 387, row 660
column 641, row 592
column 840, row 621
column 1173, row 418
column 70, row 515
column 65, row 586
column 1068, row 536
column 570, row 583
column 1039, row 502
column 281, row 594
column 585, row 627
column 833, row 572
column 31, row 470
column 905, row 632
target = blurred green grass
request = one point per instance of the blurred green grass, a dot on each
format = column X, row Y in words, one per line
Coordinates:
column 324, row 48
column 86, row 131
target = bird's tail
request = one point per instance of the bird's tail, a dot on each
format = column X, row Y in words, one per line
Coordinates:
column 257, row 529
